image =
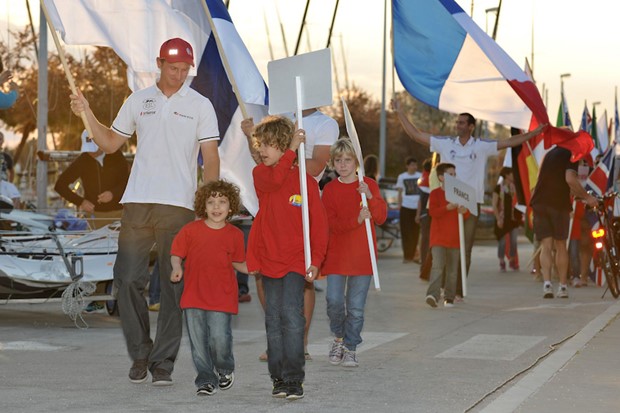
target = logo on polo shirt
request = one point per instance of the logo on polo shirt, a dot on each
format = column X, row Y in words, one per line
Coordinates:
column 149, row 104
column 183, row 116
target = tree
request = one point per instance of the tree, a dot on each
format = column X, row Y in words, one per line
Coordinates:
column 100, row 75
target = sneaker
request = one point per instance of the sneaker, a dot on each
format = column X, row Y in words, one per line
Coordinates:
column 279, row 389
column 432, row 301
column 350, row 358
column 336, row 352
column 245, row 298
column 448, row 303
column 562, row 291
column 502, row 266
column 206, row 390
column 513, row 265
column 154, row 307
column 161, row 377
column 138, row 372
column 548, row 291
column 458, row 299
column 226, row 381
column 93, row 306
column 294, row 390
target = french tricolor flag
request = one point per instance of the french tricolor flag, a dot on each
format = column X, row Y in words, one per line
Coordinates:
column 446, row 61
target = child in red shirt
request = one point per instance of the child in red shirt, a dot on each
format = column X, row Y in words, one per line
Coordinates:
column 347, row 264
column 212, row 249
column 276, row 249
column 444, row 240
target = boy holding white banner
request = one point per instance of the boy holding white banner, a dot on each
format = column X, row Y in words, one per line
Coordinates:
column 444, row 240
column 347, row 264
column 276, row 249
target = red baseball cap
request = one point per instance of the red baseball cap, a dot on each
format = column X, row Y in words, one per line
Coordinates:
column 177, row 50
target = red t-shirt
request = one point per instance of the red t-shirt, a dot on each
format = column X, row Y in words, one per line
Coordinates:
column 275, row 243
column 210, row 280
column 347, row 251
column 445, row 224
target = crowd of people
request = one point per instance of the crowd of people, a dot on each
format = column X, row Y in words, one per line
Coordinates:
column 203, row 260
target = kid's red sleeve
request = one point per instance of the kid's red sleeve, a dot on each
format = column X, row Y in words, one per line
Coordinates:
column 179, row 244
column 319, row 230
column 271, row 178
column 337, row 223
column 376, row 205
column 239, row 247
column 437, row 204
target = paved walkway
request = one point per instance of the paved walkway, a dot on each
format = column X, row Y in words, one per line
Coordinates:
column 504, row 349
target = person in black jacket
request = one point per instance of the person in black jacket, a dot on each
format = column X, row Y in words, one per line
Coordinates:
column 104, row 178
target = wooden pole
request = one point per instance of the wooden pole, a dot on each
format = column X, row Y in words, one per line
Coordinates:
column 63, row 60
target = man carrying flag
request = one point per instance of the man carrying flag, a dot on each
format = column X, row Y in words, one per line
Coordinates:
column 173, row 122
column 470, row 156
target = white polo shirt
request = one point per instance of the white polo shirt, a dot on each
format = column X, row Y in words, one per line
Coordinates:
column 470, row 159
column 320, row 130
column 169, row 132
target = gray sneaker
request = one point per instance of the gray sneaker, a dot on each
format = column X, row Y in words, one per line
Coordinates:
column 432, row 301
column 547, row 291
column 138, row 373
column 562, row 292
column 336, row 352
column 161, row 377
column 349, row 359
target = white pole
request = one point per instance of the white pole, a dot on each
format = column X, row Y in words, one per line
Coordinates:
column 303, row 184
column 360, row 176
column 462, row 248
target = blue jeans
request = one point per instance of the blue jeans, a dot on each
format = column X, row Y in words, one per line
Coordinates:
column 285, row 322
column 154, row 285
column 501, row 246
column 210, row 336
column 346, row 299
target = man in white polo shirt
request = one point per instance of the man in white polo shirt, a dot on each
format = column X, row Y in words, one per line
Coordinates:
column 469, row 155
column 173, row 122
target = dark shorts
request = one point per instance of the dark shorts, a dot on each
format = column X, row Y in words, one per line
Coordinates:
column 550, row 222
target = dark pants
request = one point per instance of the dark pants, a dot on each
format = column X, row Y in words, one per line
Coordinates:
column 142, row 226
column 242, row 279
column 425, row 236
column 409, row 232
column 285, row 322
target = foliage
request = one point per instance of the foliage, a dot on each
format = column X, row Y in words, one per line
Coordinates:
column 100, row 75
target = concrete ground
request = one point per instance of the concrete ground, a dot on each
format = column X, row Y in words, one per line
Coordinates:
column 504, row 349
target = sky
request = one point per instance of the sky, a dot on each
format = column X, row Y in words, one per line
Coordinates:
column 580, row 38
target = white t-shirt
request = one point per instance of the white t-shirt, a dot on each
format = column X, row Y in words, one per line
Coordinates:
column 470, row 159
column 320, row 130
column 9, row 190
column 169, row 132
column 408, row 183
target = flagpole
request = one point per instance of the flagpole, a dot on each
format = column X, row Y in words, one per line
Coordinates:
column 63, row 60
column 227, row 68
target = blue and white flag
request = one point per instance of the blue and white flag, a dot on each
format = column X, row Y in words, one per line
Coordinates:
column 601, row 179
column 446, row 61
column 135, row 29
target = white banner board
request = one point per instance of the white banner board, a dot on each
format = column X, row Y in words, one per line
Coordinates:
column 458, row 192
column 315, row 72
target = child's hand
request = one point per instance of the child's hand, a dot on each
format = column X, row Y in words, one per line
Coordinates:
column 176, row 275
column 247, row 126
column 298, row 137
column 364, row 213
column 363, row 189
column 311, row 273
column 451, row 206
column 462, row 209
